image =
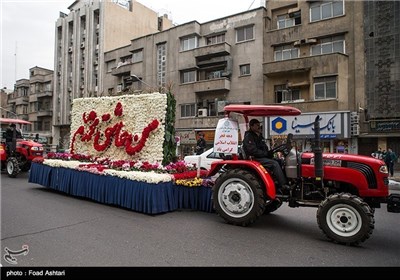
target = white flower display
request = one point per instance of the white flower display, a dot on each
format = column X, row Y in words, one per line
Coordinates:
column 71, row 164
column 147, row 177
column 138, row 112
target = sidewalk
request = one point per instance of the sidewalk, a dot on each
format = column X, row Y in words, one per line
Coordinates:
column 394, row 182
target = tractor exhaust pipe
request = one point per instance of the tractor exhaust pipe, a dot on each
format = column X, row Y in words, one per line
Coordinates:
column 317, row 150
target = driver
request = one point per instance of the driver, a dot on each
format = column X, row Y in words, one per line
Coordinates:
column 9, row 135
column 254, row 145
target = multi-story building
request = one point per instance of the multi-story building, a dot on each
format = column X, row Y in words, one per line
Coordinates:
column 82, row 37
column 41, row 103
column 207, row 65
column 18, row 101
column 380, row 111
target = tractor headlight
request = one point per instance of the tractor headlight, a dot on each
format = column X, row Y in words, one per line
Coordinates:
column 35, row 149
column 383, row 169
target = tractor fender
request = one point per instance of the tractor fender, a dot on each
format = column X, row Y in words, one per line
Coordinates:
column 3, row 153
column 264, row 175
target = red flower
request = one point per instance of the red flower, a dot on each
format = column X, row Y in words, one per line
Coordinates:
column 106, row 117
column 118, row 110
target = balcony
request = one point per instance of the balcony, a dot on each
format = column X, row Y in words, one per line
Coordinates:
column 45, row 94
column 44, row 113
column 222, row 85
column 211, row 51
column 122, row 69
column 332, row 64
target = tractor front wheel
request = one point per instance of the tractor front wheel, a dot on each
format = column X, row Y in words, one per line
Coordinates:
column 345, row 219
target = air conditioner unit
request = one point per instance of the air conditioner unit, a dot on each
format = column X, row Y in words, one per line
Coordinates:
column 95, row 62
column 96, row 88
column 119, row 88
column 355, row 130
column 202, row 113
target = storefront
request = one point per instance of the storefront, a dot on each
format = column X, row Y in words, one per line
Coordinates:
column 335, row 131
column 187, row 139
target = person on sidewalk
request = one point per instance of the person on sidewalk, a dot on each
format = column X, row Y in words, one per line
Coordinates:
column 254, row 145
column 390, row 159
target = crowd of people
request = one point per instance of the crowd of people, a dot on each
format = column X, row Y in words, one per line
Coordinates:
column 389, row 157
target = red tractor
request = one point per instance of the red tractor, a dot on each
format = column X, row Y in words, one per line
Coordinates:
column 344, row 188
column 16, row 153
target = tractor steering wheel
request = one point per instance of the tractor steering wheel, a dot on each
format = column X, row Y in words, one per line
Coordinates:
column 284, row 148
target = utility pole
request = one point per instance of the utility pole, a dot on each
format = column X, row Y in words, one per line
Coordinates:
column 15, row 59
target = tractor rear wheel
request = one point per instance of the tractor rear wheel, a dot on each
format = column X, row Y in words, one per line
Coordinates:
column 12, row 167
column 238, row 197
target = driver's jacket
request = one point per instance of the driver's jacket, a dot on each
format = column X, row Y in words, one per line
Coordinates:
column 254, row 145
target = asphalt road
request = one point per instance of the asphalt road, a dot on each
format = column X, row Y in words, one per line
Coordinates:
column 69, row 232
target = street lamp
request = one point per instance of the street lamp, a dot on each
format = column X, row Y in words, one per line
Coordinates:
column 9, row 111
column 139, row 80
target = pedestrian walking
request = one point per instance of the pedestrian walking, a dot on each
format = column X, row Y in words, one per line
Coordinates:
column 390, row 159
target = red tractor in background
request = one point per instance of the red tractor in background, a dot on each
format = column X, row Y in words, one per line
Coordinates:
column 17, row 156
column 344, row 188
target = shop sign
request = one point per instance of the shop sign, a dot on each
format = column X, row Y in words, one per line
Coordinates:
column 303, row 125
column 385, row 126
column 187, row 137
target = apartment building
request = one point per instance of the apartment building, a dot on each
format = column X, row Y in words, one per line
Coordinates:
column 207, row 66
column 82, row 37
column 40, row 109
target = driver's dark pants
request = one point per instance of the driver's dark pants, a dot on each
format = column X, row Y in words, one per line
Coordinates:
column 273, row 166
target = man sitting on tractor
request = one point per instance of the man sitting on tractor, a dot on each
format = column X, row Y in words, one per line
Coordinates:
column 9, row 135
column 254, row 145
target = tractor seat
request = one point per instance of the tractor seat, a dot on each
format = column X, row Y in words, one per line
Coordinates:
column 243, row 156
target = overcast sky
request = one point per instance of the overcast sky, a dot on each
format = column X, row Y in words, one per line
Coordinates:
column 28, row 28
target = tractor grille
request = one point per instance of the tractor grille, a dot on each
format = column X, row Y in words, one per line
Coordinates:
column 364, row 169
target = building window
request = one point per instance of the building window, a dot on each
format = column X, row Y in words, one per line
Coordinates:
column 214, row 75
column 161, row 64
column 188, row 76
column 110, row 65
column 324, row 10
column 245, row 70
column 189, row 43
column 216, row 39
column 244, row 34
column 289, row 20
column 283, row 94
column 286, row 52
column 334, row 44
column 188, row 110
column 137, row 56
column 325, row 88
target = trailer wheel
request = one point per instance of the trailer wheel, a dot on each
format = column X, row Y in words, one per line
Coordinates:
column 12, row 167
column 238, row 197
column 346, row 219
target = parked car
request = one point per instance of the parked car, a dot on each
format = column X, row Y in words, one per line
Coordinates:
column 204, row 160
